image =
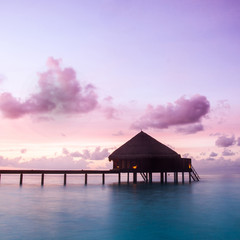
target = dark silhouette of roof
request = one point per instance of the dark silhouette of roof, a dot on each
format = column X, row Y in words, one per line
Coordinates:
column 143, row 146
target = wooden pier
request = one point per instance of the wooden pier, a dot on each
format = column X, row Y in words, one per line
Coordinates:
column 147, row 176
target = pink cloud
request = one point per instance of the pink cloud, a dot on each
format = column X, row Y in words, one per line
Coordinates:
column 228, row 152
column 183, row 112
column 97, row 154
column 65, row 151
column 238, row 141
column 217, row 166
column 23, row 151
column 192, row 128
column 213, row 154
column 224, row 141
column 108, row 110
column 59, row 91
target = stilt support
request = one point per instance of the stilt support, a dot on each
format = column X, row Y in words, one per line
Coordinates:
column 150, row 177
column 176, row 177
column 42, row 179
column 119, row 178
column 161, row 177
column 85, row 178
column 165, row 177
column 190, row 177
column 182, row 177
column 21, row 179
column 103, row 178
column 65, row 179
column 128, row 177
column 134, row 177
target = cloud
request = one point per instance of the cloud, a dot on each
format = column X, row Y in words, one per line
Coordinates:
column 59, row 92
column 67, row 160
column 224, row 141
column 227, row 152
column 217, row 166
column 108, row 110
column 97, row 154
column 23, row 151
column 238, row 141
column 57, row 162
column 183, row 112
column 65, row 151
column 213, row 154
column 221, row 111
column 190, row 129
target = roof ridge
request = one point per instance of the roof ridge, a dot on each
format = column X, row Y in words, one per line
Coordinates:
column 145, row 145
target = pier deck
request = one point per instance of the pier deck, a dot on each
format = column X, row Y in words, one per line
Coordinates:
column 147, row 177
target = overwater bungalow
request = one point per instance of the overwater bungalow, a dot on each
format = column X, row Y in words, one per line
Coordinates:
column 141, row 155
column 145, row 155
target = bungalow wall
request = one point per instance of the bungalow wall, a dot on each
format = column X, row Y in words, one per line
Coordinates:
column 154, row 165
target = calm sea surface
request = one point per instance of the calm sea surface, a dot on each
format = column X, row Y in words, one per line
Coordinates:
column 209, row 209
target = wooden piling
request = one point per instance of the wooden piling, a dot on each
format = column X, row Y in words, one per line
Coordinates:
column 165, row 177
column 134, row 177
column 65, row 179
column 190, row 177
column 42, row 179
column 182, row 177
column 161, row 177
column 128, row 177
column 21, row 179
column 85, row 178
column 150, row 177
column 103, row 178
column 119, row 178
column 176, row 173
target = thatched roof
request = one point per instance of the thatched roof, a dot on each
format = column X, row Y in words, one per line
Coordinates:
column 143, row 146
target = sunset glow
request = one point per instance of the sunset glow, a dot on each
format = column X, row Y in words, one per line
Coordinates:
column 80, row 78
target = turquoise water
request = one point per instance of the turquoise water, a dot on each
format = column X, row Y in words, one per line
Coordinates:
column 209, row 209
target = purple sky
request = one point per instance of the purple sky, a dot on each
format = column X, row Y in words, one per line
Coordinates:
column 79, row 78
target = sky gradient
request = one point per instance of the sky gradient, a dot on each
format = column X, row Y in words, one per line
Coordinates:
column 80, row 78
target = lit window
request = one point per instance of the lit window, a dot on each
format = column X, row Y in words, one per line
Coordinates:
column 135, row 167
column 189, row 165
